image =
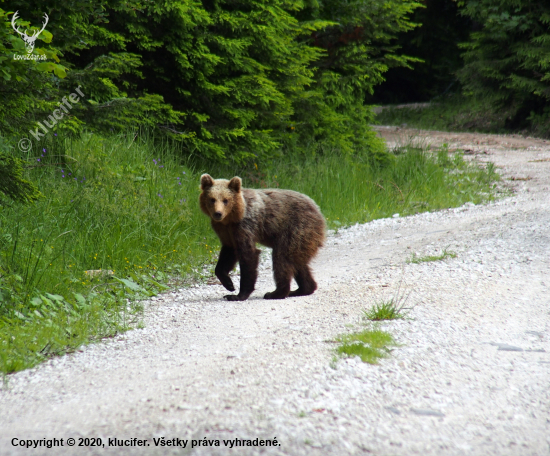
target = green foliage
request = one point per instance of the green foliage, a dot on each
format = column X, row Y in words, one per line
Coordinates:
column 387, row 310
column 243, row 80
column 52, row 325
column 25, row 84
column 12, row 183
column 233, row 69
column 359, row 50
column 108, row 107
column 392, row 309
column 12, row 177
column 506, row 62
column 413, row 181
column 123, row 204
column 450, row 113
column 33, row 88
column 370, row 345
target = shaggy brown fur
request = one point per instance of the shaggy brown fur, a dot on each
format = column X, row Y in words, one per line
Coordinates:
column 288, row 222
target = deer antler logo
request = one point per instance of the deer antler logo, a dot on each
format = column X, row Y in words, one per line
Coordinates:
column 29, row 40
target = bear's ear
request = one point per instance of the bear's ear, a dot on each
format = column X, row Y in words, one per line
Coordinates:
column 235, row 184
column 206, row 181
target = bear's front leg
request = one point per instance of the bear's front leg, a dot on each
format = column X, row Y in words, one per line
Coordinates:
column 226, row 263
column 249, row 257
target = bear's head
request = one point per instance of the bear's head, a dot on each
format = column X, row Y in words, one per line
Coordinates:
column 222, row 200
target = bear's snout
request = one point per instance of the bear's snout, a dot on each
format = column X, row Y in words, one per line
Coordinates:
column 217, row 215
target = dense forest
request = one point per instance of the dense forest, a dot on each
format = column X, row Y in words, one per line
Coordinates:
column 244, row 80
column 230, row 80
column 493, row 54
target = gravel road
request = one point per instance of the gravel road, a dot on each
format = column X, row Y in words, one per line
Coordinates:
column 471, row 376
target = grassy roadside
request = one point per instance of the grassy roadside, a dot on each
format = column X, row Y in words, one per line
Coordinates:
column 414, row 181
column 455, row 113
column 128, row 207
column 118, row 205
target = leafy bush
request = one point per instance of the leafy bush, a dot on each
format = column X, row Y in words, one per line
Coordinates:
column 359, row 48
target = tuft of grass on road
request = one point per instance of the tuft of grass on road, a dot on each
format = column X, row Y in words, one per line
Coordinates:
column 370, row 345
column 387, row 310
column 415, row 259
column 392, row 309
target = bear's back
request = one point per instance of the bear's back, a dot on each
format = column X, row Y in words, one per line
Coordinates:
column 286, row 218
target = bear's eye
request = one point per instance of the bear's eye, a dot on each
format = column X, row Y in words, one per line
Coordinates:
column 225, row 202
column 212, row 200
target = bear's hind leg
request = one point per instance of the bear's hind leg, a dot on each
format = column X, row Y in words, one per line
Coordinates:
column 283, row 272
column 305, row 281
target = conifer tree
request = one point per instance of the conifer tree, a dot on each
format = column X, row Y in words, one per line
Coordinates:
column 12, row 183
column 230, row 79
column 507, row 61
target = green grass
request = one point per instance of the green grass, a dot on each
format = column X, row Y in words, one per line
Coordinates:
column 415, row 181
column 388, row 310
column 116, row 204
column 453, row 113
column 129, row 205
column 370, row 345
column 392, row 309
column 424, row 259
column 459, row 113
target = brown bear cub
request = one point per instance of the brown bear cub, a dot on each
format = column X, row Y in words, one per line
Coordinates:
column 288, row 222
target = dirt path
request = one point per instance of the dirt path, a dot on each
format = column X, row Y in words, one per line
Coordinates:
column 472, row 376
